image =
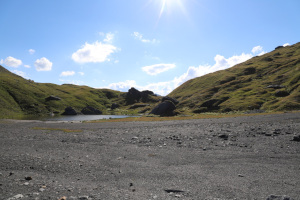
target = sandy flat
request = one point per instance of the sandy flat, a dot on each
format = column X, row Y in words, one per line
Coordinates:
column 249, row 157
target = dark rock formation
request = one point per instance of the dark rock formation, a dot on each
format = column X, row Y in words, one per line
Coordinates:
column 166, row 98
column 165, row 108
column 52, row 98
column 114, row 106
column 90, row 111
column 135, row 96
column 296, row 138
column 69, row 111
column 278, row 197
column 281, row 93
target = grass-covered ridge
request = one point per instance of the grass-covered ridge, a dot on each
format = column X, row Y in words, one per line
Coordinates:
column 19, row 97
column 245, row 86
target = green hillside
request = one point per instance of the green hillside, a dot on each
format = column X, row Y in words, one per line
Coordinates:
column 268, row 82
column 19, row 96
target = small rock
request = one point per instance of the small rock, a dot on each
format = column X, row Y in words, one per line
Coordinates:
column 84, row 198
column 18, row 196
column 223, row 136
column 26, row 183
column 28, row 178
column 278, row 197
column 42, row 189
column 63, row 198
column 296, row 138
column 240, row 175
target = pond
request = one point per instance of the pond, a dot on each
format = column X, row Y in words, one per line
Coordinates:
column 77, row 117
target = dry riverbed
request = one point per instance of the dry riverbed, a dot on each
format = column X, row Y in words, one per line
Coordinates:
column 250, row 157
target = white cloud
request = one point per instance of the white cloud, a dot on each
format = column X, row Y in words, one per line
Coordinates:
column 31, row 51
column 67, row 73
column 164, row 88
column 286, row 44
column 258, row 50
column 81, row 73
column 109, row 37
column 157, row 68
column 140, row 37
column 1, row 62
column 11, row 62
column 27, row 66
column 43, row 64
column 20, row 73
column 96, row 52
column 122, row 86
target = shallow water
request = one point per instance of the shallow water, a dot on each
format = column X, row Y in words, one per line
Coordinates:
column 77, row 117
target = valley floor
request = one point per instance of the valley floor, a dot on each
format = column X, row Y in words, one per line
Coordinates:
column 249, row 157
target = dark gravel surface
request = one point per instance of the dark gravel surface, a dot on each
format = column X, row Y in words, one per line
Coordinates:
column 253, row 157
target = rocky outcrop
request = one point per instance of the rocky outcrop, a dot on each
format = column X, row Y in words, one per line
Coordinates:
column 91, row 111
column 281, row 93
column 52, row 98
column 135, row 96
column 166, row 107
column 69, row 111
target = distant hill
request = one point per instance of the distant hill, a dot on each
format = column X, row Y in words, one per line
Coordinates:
column 267, row 82
column 19, row 97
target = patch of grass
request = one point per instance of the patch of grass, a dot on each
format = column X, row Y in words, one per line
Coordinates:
column 57, row 129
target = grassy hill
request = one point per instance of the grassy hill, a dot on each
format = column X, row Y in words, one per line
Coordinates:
column 267, row 82
column 19, row 96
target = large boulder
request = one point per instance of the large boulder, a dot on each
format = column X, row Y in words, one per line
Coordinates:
column 166, row 98
column 69, row 111
column 89, row 110
column 165, row 108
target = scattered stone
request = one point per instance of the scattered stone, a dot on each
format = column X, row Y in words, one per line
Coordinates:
column 296, row 138
column 240, row 175
column 26, row 183
column 69, row 111
column 18, row 196
column 52, row 98
column 276, row 86
column 84, row 198
column 281, row 93
column 42, row 189
column 173, row 191
column 223, row 136
column 11, row 173
column 278, row 197
column 63, row 198
column 28, row 178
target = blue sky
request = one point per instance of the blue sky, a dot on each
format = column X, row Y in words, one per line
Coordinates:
column 147, row 44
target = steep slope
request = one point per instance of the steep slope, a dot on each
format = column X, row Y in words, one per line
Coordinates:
column 19, row 96
column 267, row 82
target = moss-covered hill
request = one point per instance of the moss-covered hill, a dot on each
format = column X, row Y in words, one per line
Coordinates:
column 267, row 82
column 19, row 96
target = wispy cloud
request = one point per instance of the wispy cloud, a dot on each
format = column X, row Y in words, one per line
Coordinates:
column 27, row 66
column 286, row 44
column 140, row 37
column 43, row 64
column 31, row 51
column 109, row 37
column 157, row 68
column 20, row 73
column 67, row 73
column 258, row 50
column 11, row 62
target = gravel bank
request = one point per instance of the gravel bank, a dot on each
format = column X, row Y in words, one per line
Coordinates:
column 250, row 157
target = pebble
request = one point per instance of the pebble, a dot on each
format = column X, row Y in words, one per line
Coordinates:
column 18, row 196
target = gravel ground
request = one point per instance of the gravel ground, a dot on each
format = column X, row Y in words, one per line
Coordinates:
column 251, row 157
